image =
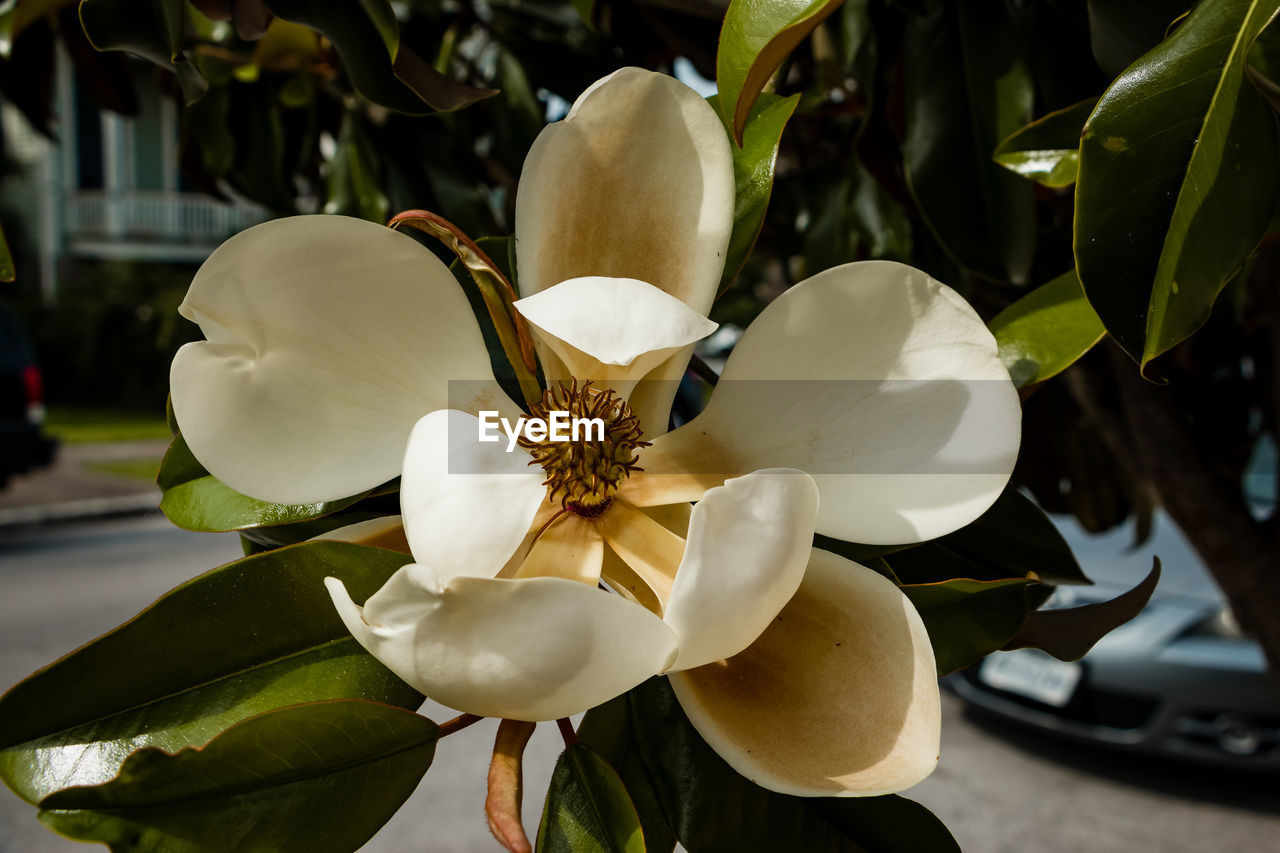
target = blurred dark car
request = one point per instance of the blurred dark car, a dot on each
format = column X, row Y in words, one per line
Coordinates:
column 23, row 447
column 1179, row 680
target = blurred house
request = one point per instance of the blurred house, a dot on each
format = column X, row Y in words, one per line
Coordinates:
column 109, row 188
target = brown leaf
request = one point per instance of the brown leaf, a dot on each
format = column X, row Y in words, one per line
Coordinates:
column 1068, row 634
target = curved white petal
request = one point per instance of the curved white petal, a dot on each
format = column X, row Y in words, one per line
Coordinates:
column 535, row 649
column 383, row 532
column 327, row 338
column 839, row 697
column 467, row 504
column 877, row 380
column 612, row 328
column 748, row 546
column 636, row 182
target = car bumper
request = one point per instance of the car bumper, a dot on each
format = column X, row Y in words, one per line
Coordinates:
column 1154, row 687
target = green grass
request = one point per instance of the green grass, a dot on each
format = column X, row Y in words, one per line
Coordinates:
column 131, row 469
column 86, row 426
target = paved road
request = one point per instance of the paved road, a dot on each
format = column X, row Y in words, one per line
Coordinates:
column 1000, row 790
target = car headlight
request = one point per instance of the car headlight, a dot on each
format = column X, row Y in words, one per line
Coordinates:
column 1222, row 624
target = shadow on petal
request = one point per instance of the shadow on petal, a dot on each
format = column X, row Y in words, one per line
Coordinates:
column 838, row 697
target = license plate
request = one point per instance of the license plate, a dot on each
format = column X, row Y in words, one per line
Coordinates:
column 1033, row 674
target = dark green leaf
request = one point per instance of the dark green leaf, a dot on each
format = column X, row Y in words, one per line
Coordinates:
column 967, row 619
column 196, row 500
column 756, row 37
column 1069, row 633
column 607, row 729
column 968, row 87
column 6, row 260
column 712, row 808
column 1179, row 178
column 1044, row 332
column 1122, row 30
column 151, row 30
column 1264, row 63
column 878, row 220
column 351, row 183
column 587, row 808
column 1047, row 151
column 1010, row 540
column 381, row 68
column 254, row 635
column 753, row 175
column 314, row 778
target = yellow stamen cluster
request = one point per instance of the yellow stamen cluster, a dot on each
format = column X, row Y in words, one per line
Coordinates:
column 584, row 474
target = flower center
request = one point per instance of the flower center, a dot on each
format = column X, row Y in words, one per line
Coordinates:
column 586, row 471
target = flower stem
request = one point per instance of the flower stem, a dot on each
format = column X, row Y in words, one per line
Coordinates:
column 495, row 289
column 458, row 723
column 567, row 732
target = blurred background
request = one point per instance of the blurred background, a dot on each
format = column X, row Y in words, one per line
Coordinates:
column 119, row 175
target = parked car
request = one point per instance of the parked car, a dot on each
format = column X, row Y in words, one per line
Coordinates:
column 23, row 446
column 1179, row 680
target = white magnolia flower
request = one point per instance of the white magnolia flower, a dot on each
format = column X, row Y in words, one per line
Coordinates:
column 331, row 346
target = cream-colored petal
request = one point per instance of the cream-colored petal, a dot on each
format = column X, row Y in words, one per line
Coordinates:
column 748, row 546
column 383, row 532
column 612, row 329
column 569, row 548
column 839, row 697
column 534, row 649
column 649, row 549
column 877, row 380
column 467, row 504
column 635, row 182
column 654, row 394
column 327, row 338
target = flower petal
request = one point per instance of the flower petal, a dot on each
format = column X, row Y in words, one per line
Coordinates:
column 534, row 649
column 877, row 380
column 467, row 504
column 748, row 545
column 636, row 182
column 612, row 328
column 839, row 697
column 327, row 338
column 569, row 548
column 385, row 531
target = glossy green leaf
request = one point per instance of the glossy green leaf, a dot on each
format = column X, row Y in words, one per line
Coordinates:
column 753, row 166
column 1010, row 540
column 587, row 808
column 756, row 38
column 968, row 619
column 254, row 635
column 151, row 30
column 382, row 69
column 968, row 87
column 314, row 778
column 1044, row 332
column 712, row 808
column 1069, row 633
column 194, row 499
column 1179, row 178
column 7, row 272
column 1047, row 151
